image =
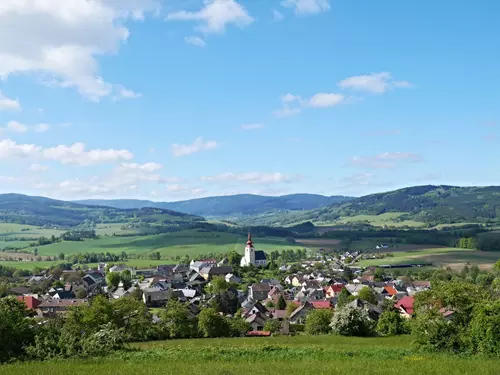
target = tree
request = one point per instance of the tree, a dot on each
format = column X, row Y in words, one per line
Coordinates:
column 233, row 258
column 348, row 321
column 368, row 294
column 318, row 321
column 291, row 307
column 272, row 325
column 211, row 324
column 15, row 328
column 226, row 302
column 35, row 251
column 432, row 332
column 379, row 274
column 343, row 298
column 80, row 293
column 56, row 273
column 217, row 285
column 485, row 329
column 61, row 256
column 123, row 255
column 391, row 323
column 281, row 303
column 126, row 278
column 239, row 326
column 113, row 279
column 177, row 321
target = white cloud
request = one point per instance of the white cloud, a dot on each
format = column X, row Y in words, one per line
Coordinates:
column 277, row 16
column 38, row 168
column 147, row 167
column 41, row 128
column 124, row 93
column 323, row 100
column 16, row 127
column 251, row 126
column 76, row 155
column 216, row 15
column 376, row 83
column 195, row 41
column 198, row 145
column 293, row 104
column 10, row 149
column 307, row 6
column 7, row 104
column 358, row 179
column 60, row 40
column 384, row 160
column 253, row 178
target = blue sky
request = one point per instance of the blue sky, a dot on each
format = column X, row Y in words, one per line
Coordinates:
column 169, row 100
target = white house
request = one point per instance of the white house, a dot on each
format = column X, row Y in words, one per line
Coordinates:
column 252, row 256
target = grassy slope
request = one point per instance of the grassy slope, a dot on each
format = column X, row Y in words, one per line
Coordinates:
column 300, row 355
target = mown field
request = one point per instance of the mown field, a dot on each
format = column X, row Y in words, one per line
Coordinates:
column 440, row 257
column 300, row 355
column 390, row 219
column 29, row 233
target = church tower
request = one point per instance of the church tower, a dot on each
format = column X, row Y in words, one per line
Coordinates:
column 249, row 251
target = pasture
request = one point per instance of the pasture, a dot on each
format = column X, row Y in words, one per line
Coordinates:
column 299, row 355
column 390, row 219
column 440, row 257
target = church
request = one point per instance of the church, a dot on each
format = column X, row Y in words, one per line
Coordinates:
column 252, row 256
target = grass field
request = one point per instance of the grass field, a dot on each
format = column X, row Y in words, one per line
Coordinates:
column 441, row 257
column 29, row 266
column 29, row 232
column 299, row 355
column 391, row 219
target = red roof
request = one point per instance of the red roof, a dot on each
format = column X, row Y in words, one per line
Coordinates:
column 259, row 333
column 390, row 290
column 30, row 302
column 321, row 304
column 337, row 288
column 406, row 303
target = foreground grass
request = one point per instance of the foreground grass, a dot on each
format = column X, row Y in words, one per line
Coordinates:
column 286, row 355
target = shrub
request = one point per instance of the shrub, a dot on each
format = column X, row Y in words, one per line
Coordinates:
column 348, row 321
column 484, row 331
column 318, row 322
column 391, row 323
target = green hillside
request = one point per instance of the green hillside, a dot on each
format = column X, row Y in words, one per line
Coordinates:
column 428, row 205
column 231, row 206
column 40, row 211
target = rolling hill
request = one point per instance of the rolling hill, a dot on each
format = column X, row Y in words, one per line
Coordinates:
column 23, row 209
column 231, row 206
column 429, row 204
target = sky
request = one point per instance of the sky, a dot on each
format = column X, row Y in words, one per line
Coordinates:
column 177, row 99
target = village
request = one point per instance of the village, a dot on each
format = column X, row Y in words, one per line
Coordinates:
column 270, row 298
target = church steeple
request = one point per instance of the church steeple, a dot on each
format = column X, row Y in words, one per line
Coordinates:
column 249, row 242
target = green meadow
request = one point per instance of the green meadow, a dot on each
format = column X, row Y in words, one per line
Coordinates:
column 390, row 219
column 299, row 355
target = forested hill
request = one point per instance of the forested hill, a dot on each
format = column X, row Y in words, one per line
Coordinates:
column 231, row 206
column 23, row 209
column 428, row 204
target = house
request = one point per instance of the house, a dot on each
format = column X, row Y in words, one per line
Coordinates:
column 197, row 266
column 278, row 314
column 298, row 316
column 405, row 306
column 321, row 305
column 20, row 291
column 253, row 257
column 209, row 262
column 231, row 278
column 153, row 297
column 354, row 289
column 255, row 307
column 258, row 291
column 209, row 272
column 119, row 268
column 63, row 294
column 93, row 280
column 53, row 307
column 332, row 291
column 373, row 311
column 257, row 321
column 31, row 302
column 146, row 273
column 120, row 292
column 297, row 280
column 165, row 269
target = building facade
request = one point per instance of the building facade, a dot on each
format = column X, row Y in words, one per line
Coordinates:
column 256, row 257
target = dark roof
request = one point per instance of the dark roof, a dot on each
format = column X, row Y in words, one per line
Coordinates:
column 20, row 290
column 220, row 270
column 260, row 287
column 65, row 294
column 260, row 255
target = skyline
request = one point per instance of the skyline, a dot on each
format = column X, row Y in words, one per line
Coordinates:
column 172, row 100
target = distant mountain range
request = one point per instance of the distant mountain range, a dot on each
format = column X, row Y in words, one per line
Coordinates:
column 428, row 204
column 231, row 206
column 24, row 209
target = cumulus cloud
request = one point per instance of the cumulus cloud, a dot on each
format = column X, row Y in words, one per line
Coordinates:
column 215, row 16
column 75, row 154
column 293, row 104
column 8, row 104
column 253, row 178
column 42, row 128
column 195, row 41
column 376, row 83
column 323, row 100
column 384, row 160
column 251, row 126
column 38, row 168
column 60, row 40
column 198, row 145
column 16, row 127
column 277, row 16
column 307, row 6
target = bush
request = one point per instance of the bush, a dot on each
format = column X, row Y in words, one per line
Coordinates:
column 432, row 332
column 272, row 325
column 484, row 330
column 391, row 323
column 348, row 321
column 318, row 322
column 103, row 342
column 15, row 330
